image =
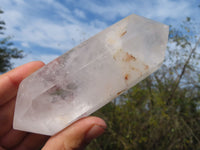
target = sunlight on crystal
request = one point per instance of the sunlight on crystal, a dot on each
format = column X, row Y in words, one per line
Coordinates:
column 90, row 75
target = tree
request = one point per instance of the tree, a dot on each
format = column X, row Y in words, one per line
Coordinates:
column 161, row 112
column 7, row 50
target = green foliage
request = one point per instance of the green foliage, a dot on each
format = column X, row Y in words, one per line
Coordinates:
column 7, row 50
column 163, row 111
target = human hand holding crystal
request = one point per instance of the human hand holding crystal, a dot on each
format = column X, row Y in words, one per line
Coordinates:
column 75, row 136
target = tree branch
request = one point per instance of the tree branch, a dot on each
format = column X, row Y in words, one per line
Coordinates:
column 183, row 70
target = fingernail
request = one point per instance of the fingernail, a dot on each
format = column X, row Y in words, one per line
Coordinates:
column 94, row 132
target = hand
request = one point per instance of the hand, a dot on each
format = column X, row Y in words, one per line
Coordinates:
column 76, row 136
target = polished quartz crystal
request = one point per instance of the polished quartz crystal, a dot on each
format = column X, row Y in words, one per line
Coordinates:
column 90, row 75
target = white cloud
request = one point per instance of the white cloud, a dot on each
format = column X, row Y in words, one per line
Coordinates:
column 79, row 13
column 48, row 34
column 110, row 11
column 164, row 9
column 32, row 27
column 25, row 44
column 154, row 9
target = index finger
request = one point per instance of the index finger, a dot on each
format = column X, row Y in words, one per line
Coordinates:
column 10, row 81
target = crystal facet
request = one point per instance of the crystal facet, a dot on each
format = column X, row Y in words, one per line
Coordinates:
column 90, row 75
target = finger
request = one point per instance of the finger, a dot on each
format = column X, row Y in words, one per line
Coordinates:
column 9, row 81
column 77, row 135
column 32, row 142
column 12, row 139
column 6, row 117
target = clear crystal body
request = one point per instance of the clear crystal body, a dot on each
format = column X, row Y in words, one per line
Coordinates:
column 90, row 75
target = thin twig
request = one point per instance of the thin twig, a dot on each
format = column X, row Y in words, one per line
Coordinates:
column 183, row 70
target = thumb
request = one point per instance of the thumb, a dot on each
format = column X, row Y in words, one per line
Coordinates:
column 77, row 135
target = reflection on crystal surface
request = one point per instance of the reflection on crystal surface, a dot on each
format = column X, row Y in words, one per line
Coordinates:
column 90, row 75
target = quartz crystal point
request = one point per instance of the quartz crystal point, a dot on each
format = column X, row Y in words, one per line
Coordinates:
column 90, row 75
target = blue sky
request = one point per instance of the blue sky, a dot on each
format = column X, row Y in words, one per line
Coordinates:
column 45, row 29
